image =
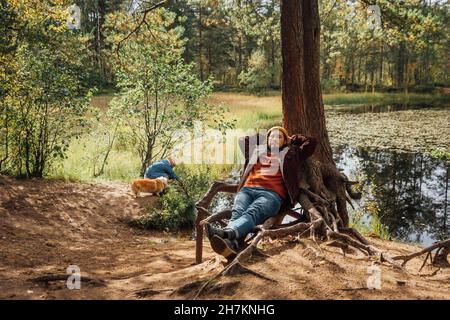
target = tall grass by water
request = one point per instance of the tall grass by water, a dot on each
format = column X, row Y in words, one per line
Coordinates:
column 83, row 159
column 252, row 111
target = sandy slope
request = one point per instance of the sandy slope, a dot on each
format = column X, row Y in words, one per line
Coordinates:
column 45, row 226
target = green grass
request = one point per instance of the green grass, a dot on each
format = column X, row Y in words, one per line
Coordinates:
column 259, row 120
column 252, row 111
column 79, row 165
column 368, row 221
column 378, row 228
column 374, row 227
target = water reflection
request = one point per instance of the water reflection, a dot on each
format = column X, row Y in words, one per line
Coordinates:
column 411, row 190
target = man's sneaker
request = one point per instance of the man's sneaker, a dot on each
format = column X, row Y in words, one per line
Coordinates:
column 223, row 247
column 212, row 231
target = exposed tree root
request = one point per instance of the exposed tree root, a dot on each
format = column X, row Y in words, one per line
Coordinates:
column 440, row 257
column 345, row 248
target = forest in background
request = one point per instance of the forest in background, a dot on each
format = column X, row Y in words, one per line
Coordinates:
column 237, row 42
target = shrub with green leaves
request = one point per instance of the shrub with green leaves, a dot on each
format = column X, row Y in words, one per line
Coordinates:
column 175, row 209
column 44, row 102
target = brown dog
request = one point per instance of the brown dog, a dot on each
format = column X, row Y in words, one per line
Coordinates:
column 154, row 186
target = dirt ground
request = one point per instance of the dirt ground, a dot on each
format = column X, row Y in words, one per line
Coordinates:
column 45, row 226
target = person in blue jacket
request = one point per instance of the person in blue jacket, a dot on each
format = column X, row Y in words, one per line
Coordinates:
column 162, row 168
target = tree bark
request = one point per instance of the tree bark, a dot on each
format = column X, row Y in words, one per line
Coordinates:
column 303, row 110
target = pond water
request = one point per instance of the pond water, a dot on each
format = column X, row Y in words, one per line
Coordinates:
column 410, row 191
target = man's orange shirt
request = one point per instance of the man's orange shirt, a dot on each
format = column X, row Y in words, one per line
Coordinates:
column 266, row 174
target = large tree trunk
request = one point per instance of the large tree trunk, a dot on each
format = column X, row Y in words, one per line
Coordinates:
column 303, row 110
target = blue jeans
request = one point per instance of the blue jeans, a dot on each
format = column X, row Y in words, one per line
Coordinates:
column 252, row 206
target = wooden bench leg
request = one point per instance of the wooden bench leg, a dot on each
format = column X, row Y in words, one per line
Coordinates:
column 198, row 241
column 217, row 186
column 199, row 235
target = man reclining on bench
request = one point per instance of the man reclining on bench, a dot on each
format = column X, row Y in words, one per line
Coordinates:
column 270, row 180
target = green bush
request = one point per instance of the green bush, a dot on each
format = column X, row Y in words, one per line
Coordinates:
column 175, row 209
